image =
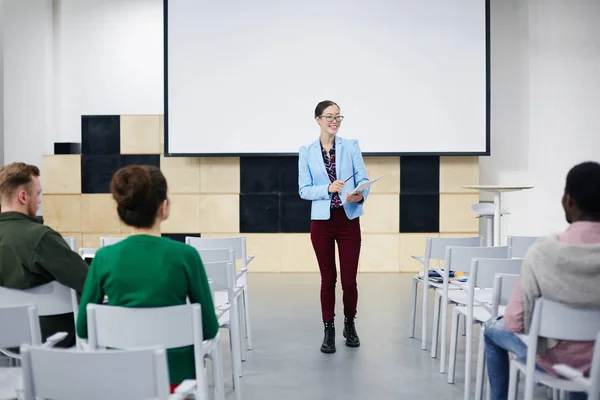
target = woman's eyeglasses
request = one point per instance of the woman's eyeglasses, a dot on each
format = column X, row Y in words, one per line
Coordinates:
column 330, row 118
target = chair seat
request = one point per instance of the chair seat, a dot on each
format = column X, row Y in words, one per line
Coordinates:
column 462, row 297
column 480, row 314
column 224, row 319
column 549, row 380
column 10, row 380
column 434, row 285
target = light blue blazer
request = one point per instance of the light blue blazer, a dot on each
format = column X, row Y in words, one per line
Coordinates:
column 313, row 180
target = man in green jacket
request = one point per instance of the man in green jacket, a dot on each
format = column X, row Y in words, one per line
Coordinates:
column 32, row 254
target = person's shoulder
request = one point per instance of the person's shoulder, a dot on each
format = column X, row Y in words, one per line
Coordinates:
column 349, row 142
column 305, row 148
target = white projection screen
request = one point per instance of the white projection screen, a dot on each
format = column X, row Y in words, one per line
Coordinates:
column 244, row 77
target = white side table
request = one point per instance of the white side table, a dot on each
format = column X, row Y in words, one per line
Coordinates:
column 497, row 190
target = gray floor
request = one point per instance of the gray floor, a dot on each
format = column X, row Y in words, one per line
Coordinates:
column 286, row 362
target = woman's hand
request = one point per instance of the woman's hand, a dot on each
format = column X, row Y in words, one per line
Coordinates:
column 354, row 198
column 336, row 186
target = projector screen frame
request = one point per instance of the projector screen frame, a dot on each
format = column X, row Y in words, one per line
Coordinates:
column 487, row 152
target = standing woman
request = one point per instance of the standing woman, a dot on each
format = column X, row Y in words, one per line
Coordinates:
column 328, row 170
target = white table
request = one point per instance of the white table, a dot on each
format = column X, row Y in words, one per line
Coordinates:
column 497, row 190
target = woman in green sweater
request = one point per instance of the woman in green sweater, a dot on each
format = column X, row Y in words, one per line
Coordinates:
column 147, row 270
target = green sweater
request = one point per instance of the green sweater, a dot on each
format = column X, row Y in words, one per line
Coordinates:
column 149, row 271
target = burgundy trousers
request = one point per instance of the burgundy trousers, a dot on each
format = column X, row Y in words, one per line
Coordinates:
column 323, row 235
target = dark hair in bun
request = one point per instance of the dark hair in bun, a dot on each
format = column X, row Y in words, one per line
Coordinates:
column 139, row 190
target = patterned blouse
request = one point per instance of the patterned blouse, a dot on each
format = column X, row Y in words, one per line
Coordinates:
column 336, row 202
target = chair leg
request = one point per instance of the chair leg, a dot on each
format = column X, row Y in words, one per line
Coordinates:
column 442, row 338
column 242, row 326
column 514, row 382
column 247, row 315
column 217, row 367
column 235, row 338
column 479, row 383
column 468, row 355
column 453, row 345
column 413, row 308
column 464, row 325
column 436, row 325
column 424, row 321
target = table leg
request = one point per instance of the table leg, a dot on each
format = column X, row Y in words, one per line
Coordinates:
column 497, row 217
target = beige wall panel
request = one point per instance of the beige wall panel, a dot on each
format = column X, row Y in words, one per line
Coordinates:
column 297, row 253
column 380, row 253
column 389, row 167
column 413, row 244
column 220, row 175
column 185, row 214
column 219, row 213
column 92, row 240
column 382, row 214
column 78, row 238
column 63, row 212
column 140, row 134
column 456, row 214
column 99, row 214
column 182, row 174
column 267, row 247
column 458, row 171
column 61, row 174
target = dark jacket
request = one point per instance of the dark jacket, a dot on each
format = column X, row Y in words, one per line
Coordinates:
column 32, row 254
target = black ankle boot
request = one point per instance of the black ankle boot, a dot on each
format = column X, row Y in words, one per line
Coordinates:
column 350, row 334
column 328, row 345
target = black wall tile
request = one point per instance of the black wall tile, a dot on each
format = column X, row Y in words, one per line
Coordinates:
column 140, row 159
column 295, row 214
column 97, row 171
column 288, row 174
column 179, row 237
column 101, row 135
column 419, row 213
column 67, row 148
column 259, row 213
column 259, row 175
column 419, row 174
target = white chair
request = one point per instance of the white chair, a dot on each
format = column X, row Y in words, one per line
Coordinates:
column 238, row 244
column 519, row 245
column 590, row 385
column 111, row 374
column 457, row 259
column 20, row 325
column 485, row 211
column 481, row 278
column 435, row 250
column 503, row 287
column 554, row 320
column 107, row 241
column 71, row 242
column 168, row 327
column 222, row 275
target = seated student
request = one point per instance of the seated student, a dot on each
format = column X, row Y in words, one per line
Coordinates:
column 563, row 268
column 32, row 254
column 146, row 270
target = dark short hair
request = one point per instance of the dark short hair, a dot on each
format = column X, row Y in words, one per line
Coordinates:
column 14, row 175
column 583, row 185
column 322, row 106
column 139, row 190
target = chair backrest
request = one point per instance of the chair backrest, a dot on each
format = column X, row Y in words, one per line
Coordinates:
column 216, row 255
column 238, row 244
column 519, row 245
column 484, row 270
column 222, row 275
column 555, row 320
column 138, row 374
column 71, row 242
column 594, row 390
column 435, row 248
column 459, row 258
column 107, row 241
column 20, row 324
column 50, row 299
column 504, row 285
column 127, row 327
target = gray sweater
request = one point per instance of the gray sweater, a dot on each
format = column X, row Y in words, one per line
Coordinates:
column 563, row 272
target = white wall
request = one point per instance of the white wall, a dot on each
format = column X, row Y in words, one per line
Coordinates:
column 67, row 58
column 28, row 69
column 545, row 102
column 111, row 60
